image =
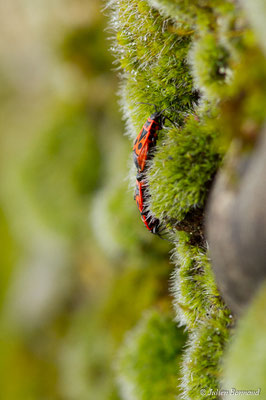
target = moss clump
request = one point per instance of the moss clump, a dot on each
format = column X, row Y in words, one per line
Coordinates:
column 244, row 365
column 192, row 283
column 201, row 362
column 199, row 307
column 197, row 13
column 182, row 170
column 152, row 58
column 148, row 360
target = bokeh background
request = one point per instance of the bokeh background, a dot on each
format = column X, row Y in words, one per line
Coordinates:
column 77, row 268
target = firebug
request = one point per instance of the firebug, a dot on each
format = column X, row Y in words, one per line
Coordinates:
column 141, row 195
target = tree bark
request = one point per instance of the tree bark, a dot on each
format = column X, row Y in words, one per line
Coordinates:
column 236, row 225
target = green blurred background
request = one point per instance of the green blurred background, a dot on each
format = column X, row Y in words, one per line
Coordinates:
column 77, row 267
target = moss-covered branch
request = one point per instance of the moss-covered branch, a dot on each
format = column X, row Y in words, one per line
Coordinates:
column 191, row 58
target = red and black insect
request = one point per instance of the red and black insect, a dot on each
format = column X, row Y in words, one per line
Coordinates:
column 147, row 138
column 141, row 196
column 146, row 141
column 143, row 151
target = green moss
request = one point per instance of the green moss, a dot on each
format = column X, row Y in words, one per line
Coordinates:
column 196, row 13
column 201, row 363
column 189, row 296
column 152, row 57
column 193, row 285
column 199, row 307
column 182, row 170
column 148, row 360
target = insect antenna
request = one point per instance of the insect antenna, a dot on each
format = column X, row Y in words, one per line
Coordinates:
column 149, row 104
